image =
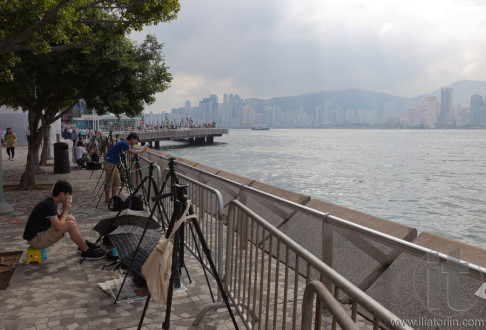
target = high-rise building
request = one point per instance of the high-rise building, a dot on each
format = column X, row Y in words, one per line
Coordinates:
column 445, row 106
column 477, row 108
column 432, row 110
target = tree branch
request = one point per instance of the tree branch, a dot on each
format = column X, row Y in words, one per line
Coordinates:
column 7, row 45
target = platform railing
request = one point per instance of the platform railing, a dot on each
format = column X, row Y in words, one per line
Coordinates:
column 280, row 214
column 329, row 302
column 267, row 272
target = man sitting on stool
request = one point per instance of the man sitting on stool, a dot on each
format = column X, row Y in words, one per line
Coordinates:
column 46, row 225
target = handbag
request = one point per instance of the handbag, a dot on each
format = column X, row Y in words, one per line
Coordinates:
column 157, row 269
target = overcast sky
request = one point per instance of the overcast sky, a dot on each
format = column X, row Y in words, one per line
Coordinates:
column 268, row 48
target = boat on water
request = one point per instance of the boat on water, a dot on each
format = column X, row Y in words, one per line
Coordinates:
column 260, row 128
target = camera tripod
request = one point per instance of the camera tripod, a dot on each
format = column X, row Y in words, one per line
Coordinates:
column 151, row 184
column 180, row 205
column 104, row 144
column 124, row 171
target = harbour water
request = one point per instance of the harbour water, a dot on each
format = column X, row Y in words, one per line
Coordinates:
column 433, row 180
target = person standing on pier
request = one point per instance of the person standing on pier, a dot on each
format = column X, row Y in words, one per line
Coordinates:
column 112, row 158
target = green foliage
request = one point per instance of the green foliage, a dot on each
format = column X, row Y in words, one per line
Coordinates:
column 119, row 77
column 42, row 26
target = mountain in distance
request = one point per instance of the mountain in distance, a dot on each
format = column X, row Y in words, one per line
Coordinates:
column 461, row 94
column 367, row 100
column 346, row 99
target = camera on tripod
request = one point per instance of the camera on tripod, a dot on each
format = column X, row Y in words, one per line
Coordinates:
column 181, row 191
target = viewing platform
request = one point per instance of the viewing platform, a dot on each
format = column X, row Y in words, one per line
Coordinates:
column 191, row 135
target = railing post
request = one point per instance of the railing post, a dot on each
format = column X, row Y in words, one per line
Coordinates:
column 327, row 247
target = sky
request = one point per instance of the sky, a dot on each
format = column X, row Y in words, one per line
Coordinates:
column 273, row 48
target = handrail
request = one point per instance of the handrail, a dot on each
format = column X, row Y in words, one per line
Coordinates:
column 337, row 311
column 238, row 194
column 380, row 312
column 391, row 241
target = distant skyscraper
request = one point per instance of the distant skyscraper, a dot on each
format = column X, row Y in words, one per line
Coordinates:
column 477, row 109
column 187, row 105
column 432, row 110
column 445, row 105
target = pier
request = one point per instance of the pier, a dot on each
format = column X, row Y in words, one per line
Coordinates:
column 191, row 135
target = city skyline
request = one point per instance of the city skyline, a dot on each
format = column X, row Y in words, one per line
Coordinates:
column 278, row 48
column 352, row 108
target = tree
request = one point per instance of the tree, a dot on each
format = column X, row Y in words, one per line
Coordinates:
column 44, row 26
column 119, row 77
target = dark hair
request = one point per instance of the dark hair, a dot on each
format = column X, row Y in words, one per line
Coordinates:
column 132, row 136
column 62, row 186
column 79, row 143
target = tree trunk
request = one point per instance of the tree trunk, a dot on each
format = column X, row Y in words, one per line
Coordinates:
column 45, row 146
column 27, row 181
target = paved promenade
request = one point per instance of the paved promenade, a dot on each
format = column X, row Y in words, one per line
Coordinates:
column 61, row 293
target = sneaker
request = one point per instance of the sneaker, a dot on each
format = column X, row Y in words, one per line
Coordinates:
column 91, row 246
column 92, row 255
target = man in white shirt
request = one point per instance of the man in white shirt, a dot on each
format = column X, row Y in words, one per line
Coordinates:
column 80, row 154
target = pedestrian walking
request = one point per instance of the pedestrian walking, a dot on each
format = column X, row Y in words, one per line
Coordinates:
column 10, row 141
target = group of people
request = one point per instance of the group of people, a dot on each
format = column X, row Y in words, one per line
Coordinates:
column 46, row 225
column 87, row 150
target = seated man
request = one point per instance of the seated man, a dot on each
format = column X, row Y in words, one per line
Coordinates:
column 46, row 225
column 80, row 154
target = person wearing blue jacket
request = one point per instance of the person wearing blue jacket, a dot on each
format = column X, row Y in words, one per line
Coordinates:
column 112, row 158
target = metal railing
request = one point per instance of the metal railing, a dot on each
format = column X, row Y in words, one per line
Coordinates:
column 267, row 272
column 325, row 297
column 301, row 259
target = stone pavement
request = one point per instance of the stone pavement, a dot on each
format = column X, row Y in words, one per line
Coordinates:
column 61, row 293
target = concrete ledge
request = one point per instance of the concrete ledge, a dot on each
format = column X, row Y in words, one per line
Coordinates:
column 280, row 192
column 348, row 257
column 187, row 162
column 469, row 253
column 207, row 168
column 235, row 177
column 385, row 226
column 406, row 284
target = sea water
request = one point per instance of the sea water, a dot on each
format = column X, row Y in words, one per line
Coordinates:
column 433, row 180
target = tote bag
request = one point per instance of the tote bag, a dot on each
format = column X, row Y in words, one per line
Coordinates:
column 157, row 269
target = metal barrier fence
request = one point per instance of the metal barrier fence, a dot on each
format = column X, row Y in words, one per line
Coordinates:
column 267, row 272
column 300, row 259
column 338, row 313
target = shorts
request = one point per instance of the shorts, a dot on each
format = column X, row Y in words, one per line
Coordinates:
column 46, row 238
column 112, row 177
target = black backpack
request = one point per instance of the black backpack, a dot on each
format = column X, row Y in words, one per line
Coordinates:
column 135, row 203
column 117, row 204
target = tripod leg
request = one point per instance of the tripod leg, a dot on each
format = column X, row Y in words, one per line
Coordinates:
column 98, row 178
column 140, row 323
column 201, row 261
column 166, row 323
column 207, row 252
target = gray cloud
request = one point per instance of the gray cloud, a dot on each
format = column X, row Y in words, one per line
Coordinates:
column 276, row 48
